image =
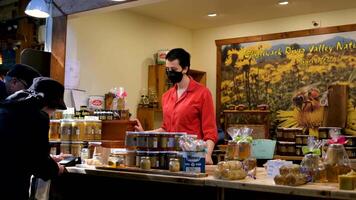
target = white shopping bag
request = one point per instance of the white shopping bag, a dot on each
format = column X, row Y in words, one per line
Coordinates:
column 39, row 189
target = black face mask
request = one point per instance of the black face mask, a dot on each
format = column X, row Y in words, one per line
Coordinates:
column 174, row 76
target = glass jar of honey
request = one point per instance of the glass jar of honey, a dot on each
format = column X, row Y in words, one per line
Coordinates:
column 78, row 128
column 244, row 150
column 336, row 162
column 54, row 130
column 174, row 165
column 66, row 129
column 145, row 163
column 232, row 151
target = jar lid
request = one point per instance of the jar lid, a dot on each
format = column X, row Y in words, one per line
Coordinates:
column 174, row 159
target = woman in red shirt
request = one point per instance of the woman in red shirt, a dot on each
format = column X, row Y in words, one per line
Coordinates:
column 188, row 105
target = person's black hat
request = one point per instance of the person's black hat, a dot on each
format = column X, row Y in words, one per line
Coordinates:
column 53, row 92
column 23, row 72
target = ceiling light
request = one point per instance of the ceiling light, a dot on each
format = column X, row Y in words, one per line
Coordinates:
column 212, row 14
column 38, row 8
column 283, row 2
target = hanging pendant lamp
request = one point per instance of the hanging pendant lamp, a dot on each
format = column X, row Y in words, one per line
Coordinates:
column 38, row 8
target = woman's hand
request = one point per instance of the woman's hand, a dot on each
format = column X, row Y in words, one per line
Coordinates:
column 138, row 127
column 208, row 160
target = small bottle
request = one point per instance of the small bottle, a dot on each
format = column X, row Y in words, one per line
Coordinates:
column 145, row 163
column 174, row 165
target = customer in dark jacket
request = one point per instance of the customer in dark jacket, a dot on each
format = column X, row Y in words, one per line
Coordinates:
column 19, row 77
column 24, row 125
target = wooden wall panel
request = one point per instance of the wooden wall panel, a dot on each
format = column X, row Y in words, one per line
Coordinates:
column 59, row 35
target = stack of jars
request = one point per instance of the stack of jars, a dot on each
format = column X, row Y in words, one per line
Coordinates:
column 72, row 133
column 159, row 148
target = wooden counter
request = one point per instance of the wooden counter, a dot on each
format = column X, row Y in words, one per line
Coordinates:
column 261, row 184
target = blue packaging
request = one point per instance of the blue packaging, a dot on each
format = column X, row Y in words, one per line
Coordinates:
column 194, row 162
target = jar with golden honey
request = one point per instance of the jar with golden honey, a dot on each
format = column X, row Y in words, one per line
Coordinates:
column 336, row 162
column 89, row 130
column 97, row 130
column 174, row 165
column 145, row 163
column 66, row 129
column 244, row 150
column 54, row 130
column 163, row 141
column 78, row 129
column 232, row 151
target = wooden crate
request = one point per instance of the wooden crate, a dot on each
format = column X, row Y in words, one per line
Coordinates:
column 114, row 132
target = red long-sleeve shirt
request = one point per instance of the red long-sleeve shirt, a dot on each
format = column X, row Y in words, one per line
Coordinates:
column 192, row 113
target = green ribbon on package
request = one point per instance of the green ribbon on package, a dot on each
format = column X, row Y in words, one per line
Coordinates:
column 307, row 150
column 248, row 139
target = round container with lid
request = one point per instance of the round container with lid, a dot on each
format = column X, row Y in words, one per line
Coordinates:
column 163, row 141
column 131, row 140
column 176, row 140
column 169, row 155
column 139, row 155
column 54, row 130
column 142, row 138
column 299, row 139
column 152, row 141
column 351, row 152
column 78, row 129
column 232, row 151
column 145, row 163
column 244, row 150
column 174, row 165
column 279, row 133
column 298, row 150
column 131, row 158
column 154, row 157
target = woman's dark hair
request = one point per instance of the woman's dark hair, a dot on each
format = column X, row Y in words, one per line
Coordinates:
column 181, row 55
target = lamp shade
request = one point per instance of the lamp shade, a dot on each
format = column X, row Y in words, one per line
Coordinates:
column 38, row 8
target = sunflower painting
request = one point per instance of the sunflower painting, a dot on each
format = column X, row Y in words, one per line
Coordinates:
column 290, row 75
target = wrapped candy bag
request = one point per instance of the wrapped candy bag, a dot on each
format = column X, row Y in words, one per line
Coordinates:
column 311, row 163
column 336, row 160
column 191, row 143
column 239, row 148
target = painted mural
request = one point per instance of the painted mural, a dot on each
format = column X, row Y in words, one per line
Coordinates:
column 290, row 75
